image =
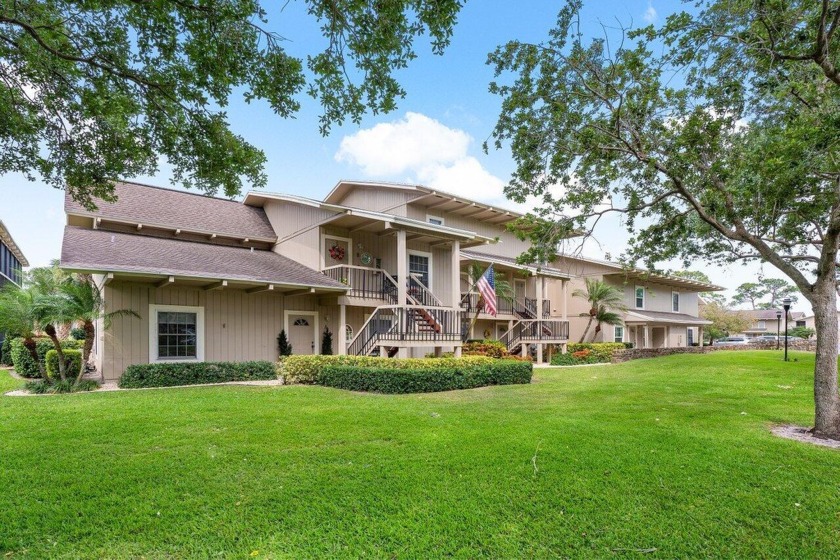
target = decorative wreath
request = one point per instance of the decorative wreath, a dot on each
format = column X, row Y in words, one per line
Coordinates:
column 487, row 333
column 337, row 253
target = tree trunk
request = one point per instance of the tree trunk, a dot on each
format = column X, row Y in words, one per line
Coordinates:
column 90, row 332
column 33, row 351
column 826, row 396
column 62, row 365
column 586, row 330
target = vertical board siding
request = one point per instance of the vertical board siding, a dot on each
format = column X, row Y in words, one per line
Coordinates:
column 238, row 326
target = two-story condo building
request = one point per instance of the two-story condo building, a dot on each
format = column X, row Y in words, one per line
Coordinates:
column 383, row 266
column 12, row 261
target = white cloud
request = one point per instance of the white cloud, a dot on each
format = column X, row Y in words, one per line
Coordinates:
column 407, row 145
column 420, row 149
column 650, row 14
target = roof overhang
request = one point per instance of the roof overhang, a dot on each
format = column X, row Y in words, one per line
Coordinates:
column 637, row 317
column 357, row 219
column 9, row 242
column 675, row 281
column 163, row 278
column 506, row 264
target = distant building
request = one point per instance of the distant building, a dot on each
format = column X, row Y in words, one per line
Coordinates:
column 771, row 321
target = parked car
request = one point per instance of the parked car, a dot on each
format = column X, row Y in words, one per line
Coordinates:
column 732, row 341
column 772, row 338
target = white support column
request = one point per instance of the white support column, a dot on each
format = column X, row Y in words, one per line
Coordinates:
column 341, row 331
column 456, row 274
column 540, row 290
column 402, row 267
column 667, row 337
column 700, row 336
column 457, row 351
column 565, row 284
column 539, row 353
column 647, row 336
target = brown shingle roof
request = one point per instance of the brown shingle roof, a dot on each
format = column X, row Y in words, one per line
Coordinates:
column 155, row 206
column 767, row 314
column 105, row 251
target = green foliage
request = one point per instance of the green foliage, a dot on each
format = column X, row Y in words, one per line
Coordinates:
column 604, row 299
column 326, row 342
column 77, row 333
column 444, row 377
column 6, row 351
column 191, row 373
column 72, row 360
column 725, row 321
column 283, row 346
column 307, row 368
column 148, row 81
column 22, row 360
column 587, row 353
column 802, row 332
column 42, row 387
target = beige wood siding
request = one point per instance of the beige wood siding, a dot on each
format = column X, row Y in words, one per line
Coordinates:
column 237, row 326
column 298, row 230
column 379, row 199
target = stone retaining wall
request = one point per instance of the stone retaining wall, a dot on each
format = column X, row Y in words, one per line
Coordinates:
column 639, row 353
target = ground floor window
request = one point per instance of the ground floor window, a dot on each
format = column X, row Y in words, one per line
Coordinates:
column 618, row 334
column 176, row 333
column 348, row 333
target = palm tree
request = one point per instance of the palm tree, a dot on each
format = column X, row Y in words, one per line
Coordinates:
column 504, row 290
column 79, row 299
column 602, row 298
column 18, row 316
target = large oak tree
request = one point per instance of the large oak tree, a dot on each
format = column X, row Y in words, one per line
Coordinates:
column 100, row 89
column 715, row 136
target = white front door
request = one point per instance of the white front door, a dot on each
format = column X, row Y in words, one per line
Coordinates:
column 302, row 334
column 519, row 290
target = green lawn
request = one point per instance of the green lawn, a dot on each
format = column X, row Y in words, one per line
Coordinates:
column 672, row 454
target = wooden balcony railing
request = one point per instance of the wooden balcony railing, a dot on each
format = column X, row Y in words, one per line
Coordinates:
column 394, row 324
column 364, row 282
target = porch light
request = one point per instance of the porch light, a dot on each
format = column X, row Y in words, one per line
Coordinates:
column 786, row 304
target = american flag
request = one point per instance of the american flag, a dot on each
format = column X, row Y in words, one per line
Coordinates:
column 487, row 287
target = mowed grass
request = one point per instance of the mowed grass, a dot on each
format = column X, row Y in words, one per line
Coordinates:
column 660, row 458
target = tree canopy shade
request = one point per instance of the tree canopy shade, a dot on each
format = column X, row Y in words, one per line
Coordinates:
column 715, row 136
column 101, row 89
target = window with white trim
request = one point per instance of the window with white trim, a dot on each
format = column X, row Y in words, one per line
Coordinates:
column 348, row 333
column 176, row 333
column 435, row 220
column 618, row 334
column 640, row 297
column 675, row 302
column 762, row 324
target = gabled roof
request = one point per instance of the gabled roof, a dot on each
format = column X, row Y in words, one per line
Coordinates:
column 436, row 199
column 156, row 207
column 511, row 262
column 348, row 213
column 9, row 242
column 103, row 251
column 768, row 314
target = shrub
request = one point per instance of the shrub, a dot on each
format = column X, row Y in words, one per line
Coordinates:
column 6, row 352
column 446, row 376
column 587, row 353
column 326, row 342
column 491, row 348
column 307, row 369
column 283, row 346
column 192, row 373
column 22, row 360
column 72, row 361
column 69, row 386
column 77, row 333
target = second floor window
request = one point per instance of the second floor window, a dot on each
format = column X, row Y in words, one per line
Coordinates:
column 436, row 220
column 675, row 302
column 762, row 324
column 640, row 297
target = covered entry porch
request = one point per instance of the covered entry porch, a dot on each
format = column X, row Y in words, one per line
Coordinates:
column 653, row 329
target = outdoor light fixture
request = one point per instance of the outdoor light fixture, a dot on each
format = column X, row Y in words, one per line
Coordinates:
column 786, row 304
column 778, row 326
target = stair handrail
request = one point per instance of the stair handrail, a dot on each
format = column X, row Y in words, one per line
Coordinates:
column 424, row 289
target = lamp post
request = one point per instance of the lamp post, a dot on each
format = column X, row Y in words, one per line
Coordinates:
column 786, row 304
column 778, row 326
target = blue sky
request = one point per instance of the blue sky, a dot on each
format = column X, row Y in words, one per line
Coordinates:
column 434, row 137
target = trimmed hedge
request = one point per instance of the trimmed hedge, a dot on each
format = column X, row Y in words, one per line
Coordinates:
column 72, row 361
column 192, row 373
column 22, row 360
column 307, row 368
column 446, row 377
column 587, row 353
